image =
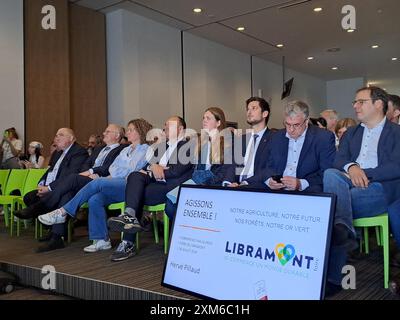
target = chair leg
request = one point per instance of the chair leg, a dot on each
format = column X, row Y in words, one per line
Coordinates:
column 36, row 228
column 137, row 242
column 19, row 226
column 11, row 222
column 166, row 232
column 69, row 230
column 155, row 226
column 6, row 217
column 366, row 240
column 385, row 243
column 378, row 235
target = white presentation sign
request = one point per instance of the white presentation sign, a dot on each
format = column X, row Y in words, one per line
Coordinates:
column 233, row 244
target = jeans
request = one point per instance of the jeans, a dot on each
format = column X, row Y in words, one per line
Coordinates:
column 98, row 193
column 351, row 203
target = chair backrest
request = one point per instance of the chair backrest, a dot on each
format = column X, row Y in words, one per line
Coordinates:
column 3, row 179
column 16, row 180
column 32, row 180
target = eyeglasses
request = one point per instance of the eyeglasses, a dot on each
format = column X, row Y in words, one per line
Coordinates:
column 361, row 101
column 294, row 126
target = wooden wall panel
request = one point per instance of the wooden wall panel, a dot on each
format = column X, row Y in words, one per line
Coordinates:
column 87, row 72
column 47, row 94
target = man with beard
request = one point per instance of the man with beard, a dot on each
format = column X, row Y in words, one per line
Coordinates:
column 254, row 144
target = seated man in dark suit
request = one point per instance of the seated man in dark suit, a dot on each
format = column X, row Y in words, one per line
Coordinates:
column 366, row 174
column 251, row 160
column 150, row 185
column 298, row 155
column 96, row 165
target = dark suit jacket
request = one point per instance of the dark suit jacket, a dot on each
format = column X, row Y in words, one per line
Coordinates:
column 388, row 170
column 102, row 170
column 317, row 155
column 71, row 163
column 225, row 171
column 260, row 158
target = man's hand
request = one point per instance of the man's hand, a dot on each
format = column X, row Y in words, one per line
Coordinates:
column 42, row 190
column 158, row 171
column 94, row 176
column 85, row 173
column 291, row 183
column 272, row 184
column 358, row 177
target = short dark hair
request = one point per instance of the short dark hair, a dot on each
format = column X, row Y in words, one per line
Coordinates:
column 264, row 105
column 377, row 93
column 395, row 100
column 182, row 121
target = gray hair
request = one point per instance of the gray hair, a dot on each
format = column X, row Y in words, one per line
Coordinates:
column 332, row 114
column 293, row 108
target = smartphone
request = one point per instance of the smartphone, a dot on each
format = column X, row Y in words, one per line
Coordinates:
column 277, row 178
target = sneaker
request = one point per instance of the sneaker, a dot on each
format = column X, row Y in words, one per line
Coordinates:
column 123, row 252
column 98, row 245
column 54, row 217
column 124, row 223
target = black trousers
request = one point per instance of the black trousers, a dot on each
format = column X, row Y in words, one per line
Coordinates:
column 56, row 198
column 142, row 190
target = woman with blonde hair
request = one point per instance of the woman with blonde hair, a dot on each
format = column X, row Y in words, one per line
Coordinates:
column 214, row 155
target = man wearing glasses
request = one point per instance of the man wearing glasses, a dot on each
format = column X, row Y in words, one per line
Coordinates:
column 299, row 154
column 366, row 174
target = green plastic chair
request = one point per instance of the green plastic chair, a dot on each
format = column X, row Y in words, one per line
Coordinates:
column 153, row 210
column 16, row 181
column 4, row 173
column 382, row 223
column 30, row 184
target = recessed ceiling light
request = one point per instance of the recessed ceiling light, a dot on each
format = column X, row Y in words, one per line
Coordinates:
column 350, row 30
column 280, row 45
column 374, row 46
column 240, row 28
column 317, row 9
column 334, row 68
column 310, row 58
column 197, row 10
column 394, row 59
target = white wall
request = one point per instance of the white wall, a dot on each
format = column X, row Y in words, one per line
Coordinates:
column 144, row 69
column 214, row 76
column 340, row 94
column 267, row 76
column 144, row 75
column 11, row 66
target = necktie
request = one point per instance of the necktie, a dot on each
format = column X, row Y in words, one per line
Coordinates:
column 249, row 166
